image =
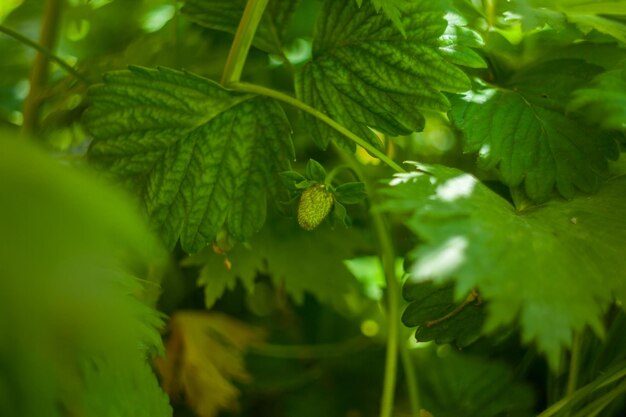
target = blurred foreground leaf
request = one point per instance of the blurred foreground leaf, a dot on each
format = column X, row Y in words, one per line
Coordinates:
column 74, row 258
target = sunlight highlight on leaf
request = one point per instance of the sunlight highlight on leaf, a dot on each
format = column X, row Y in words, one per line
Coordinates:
column 457, row 187
column 441, row 261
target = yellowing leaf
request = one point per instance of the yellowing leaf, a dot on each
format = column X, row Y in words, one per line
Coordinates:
column 204, row 355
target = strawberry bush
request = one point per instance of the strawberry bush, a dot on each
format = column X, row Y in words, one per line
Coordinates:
column 313, row 207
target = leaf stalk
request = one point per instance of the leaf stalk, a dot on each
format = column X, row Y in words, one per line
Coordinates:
column 387, row 255
column 285, row 98
column 39, row 74
column 44, row 51
column 238, row 53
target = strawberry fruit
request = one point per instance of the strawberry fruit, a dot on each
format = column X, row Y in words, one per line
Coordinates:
column 315, row 204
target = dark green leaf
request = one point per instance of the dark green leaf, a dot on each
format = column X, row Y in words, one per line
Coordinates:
column 302, row 262
column 350, row 193
column 365, row 73
column 315, row 171
column 225, row 16
column 430, row 303
column 200, row 157
column 521, row 130
column 555, row 268
column 459, row 385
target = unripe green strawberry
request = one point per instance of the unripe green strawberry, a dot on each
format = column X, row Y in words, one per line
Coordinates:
column 315, row 204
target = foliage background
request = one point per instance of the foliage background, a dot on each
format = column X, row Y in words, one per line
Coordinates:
column 297, row 322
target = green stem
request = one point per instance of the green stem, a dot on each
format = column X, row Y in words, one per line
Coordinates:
column 574, row 364
column 388, row 260
column 490, row 11
column 393, row 313
column 243, row 40
column 336, row 170
column 268, row 92
column 39, row 73
column 48, row 53
column 411, row 379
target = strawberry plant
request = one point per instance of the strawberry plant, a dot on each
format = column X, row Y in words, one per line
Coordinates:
column 313, row 207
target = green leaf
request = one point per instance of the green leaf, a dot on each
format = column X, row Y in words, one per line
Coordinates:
column 302, row 262
column 368, row 270
column 391, row 8
column 604, row 101
column 458, row 42
column 225, row 16
column 315, row 171
column 201, row 158
column 291, row 179
column 609, row 7
column 521, row 129
column 341, row 214
column 431, row 303
column 364, row 73
column 605, row 16
column 76, row 337
column 350, row 193
column 528, row 15
column 455, row 384
column 554, row 268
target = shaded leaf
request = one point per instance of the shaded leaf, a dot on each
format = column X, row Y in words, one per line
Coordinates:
column 430, row 304
column 204, row 357
column 201, row 158
column 302, row 262
column 521, row 129
column 225, row 16
column 365, row 73
column 453, row 385
column 554, row 268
